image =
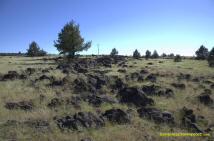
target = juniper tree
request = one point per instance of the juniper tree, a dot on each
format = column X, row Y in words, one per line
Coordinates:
column 70, row 41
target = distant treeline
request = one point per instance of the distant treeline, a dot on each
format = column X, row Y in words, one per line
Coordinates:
column 11, row 54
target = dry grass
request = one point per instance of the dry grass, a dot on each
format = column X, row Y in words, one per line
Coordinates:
column 138, row 130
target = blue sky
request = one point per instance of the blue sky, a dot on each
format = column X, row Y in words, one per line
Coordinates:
column 177, row 26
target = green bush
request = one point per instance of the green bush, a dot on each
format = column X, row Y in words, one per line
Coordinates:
column 177, row 58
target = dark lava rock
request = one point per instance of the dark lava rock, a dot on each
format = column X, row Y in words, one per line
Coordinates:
column 160, row 62
column 207, row 82
column 140, row 79
column 144, row 71
column 188, row 121
column 96, row 100
column 109, row 100
column 134, row 95
column 207, row 91
column 166, row 92
column 150, row 63
column 59, row 82
column 117, row 115
column 118, row 84
column 11, row 75
column 55, row 102
column 45, row 71
column 150, row 90
column 105, row 61
column 122, row 70
column 86, row 139
column 22, row 76
column 30, row 71
column 157, row 115
column 152, row 77
column 212, row 86
column 134, row 75
column 80, row 84
column 184, row 76
column 196, row 79
column 43, row 77
column 77, row 67
column 80, row 120
column 74, row 100
column 205, row 99
column 178, row 85
column 24, row 105
column 125, row 66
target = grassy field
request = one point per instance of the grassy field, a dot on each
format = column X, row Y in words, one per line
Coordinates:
column 139, row 129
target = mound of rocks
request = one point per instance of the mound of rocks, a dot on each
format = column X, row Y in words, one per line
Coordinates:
column 24, row 105
column 117, row 115
column 157, row 90
column 11, row 75
column 79, row 121
column 135, row 96
column 158, row 115
column 189, row 120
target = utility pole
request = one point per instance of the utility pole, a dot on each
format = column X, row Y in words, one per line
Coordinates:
column 98, row 46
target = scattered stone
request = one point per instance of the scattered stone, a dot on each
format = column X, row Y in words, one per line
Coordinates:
column 184, row 76
column 140, row 79
column 188, row 120
column 80, row 85
column 24, row 105
column 11, row 75
column 30, row 71
column 143, row 71
column 207, row 82
column 79, row 121
column 205, row 99
column 212, row 86
column 122, row 70
column 178, row 85
column 134, row 95
column 196, row 79
column 157, row 115
column 55, row 102
column 152, row 77
column 150, row 63
column 86, row 139
column 117, row 115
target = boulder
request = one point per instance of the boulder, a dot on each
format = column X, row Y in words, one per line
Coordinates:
column 135, row 96
column 79, row 121
column 189, row 121
column 205, row 99
column 117, row 115
column 178, row 85
column 158, row 115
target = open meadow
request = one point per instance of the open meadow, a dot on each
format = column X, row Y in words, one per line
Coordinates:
column 101, row 98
